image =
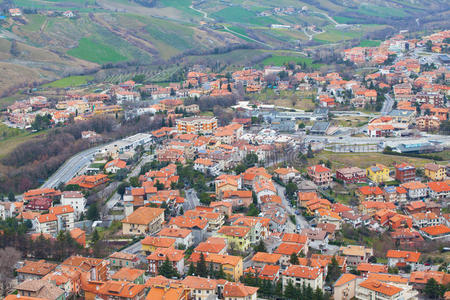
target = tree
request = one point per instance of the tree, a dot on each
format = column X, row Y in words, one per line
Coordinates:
column 95, row 236
column 138, row 78
column 291, row 190
column 260, row 247
column 167, row 270
column 8, row 258
column 11, row 197
column 14, row 50
column 134, row 181
column 372, row 260
column 253, row 210
column 433, row 289
column 290, row 292
column 92, row 212
column 121, row 189
column 159, row 186
column 121, row 174
column 191, row 270
column 334, row 271
column 202, row 271
column 294, row 259
column 310, row 153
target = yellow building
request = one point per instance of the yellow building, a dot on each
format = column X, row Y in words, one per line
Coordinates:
column 231, row 265
column 151, row 243
column 435, row 172
column 237, row 237
column 144, row 220
column 378, row 173
column 203, row 125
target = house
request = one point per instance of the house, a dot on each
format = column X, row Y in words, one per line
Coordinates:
column 356, row 254
column 15, row 12
column 42, row 193
column 115, row 165
column 419, row 278
column 171, row 291
column 436, row 232
column 88, row 181
column 238, row 291
column 144, row 220
column 286, row 174
column 182, row 236
column 260, row 259
column 258, row 227
column 439, row 190
column 378, row 173
column 203, row 125
column 122, row 259
column 159, row 256
column 405, row 172
column 39, row 289
column 398, row 258
column 263, row 188
column 374, row 289
column 416, row 190
column 32, row 270
column 300, row 275
column 151, row 243
column 47, row 224
column 366, row 268
column 237, row 237
column 231, row 265
column 320, row 175
column 370, row 193
column 213, row 244
column 65, row 215
column 68, row 14
column 351, row 175
column 328, row 217
column 76, row 200
column 434, row 172
column 197, row 226
column 117, row 290
column 286, row 250
column 200, row 288
column 345, row 287
column 426, row 219
column 79, row 236
column 7, row 210
column 238, row 198
column 129, row 275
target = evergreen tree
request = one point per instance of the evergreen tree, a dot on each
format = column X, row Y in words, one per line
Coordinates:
column 290, row 292
column 95, row 236
column 202, row 271
column 221, row 274
column 294, row 259
column 191, row 270
column 11, row 197
column 167, row 270
column 433, row 290
column 334, row 271
column 310, row 153
column 260, row 247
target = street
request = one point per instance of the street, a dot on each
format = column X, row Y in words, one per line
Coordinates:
column 387, row 105
column 290, row 210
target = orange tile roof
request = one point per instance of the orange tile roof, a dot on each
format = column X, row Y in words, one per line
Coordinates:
column 211, row 245
column 414, row 185
column 370, row 190
column 270, row 258
column 160, row 242
column 47, row 218
column 388, row 278
column 59, row 210
column 372, row 268
column 39, row 268
column 127, row 274
column 121, row 289
column 199, row 283
column 436, row 230
column 171, row 253
column 383, row 288
column 235, row 231
column 295, row 238
column 288, row 248
column 318, row 169
column 143, row 215
column 302, row 272
column 344, row 278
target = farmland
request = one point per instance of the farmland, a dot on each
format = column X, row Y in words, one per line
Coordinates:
column 91, row 50
column 70, row 81
column 279, row 60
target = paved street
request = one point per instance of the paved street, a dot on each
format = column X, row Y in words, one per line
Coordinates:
column 191, row 200
column 387, row 105
column 291, row 211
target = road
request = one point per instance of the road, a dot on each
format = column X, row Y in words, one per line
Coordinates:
column 191, row 200
column 299, row 218
column 71, row 167
column 387, row 105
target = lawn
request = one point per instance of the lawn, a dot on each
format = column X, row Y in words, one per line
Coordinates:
column 369, row 43
column 289, row 99
column 364, row 160
column 236, row 14
column 279, row 60
column 334, row 35
column 91, row 50
column 70, row 81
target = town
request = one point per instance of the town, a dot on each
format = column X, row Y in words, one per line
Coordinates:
column 229, row 196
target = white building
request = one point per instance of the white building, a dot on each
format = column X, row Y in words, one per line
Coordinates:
column 65, row 215
column 302, row 274
column 7, row 210
column 76, row 200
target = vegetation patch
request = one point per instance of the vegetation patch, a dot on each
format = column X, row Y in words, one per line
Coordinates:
column 91, row 50
column 70, row 81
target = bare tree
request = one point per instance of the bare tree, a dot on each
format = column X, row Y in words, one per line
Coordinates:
column 8, row 258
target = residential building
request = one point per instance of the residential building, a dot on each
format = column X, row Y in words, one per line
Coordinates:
column 426, row 219
column 200, row 288
column 47, row 224
column 182, row 236
column 405, row 172
column 32, row 270
column 260, row 259
column 151, row 243
column 373, row 289
column 439, row 190
column 7, row 210
column 238, row 198
column 144, row 220
column 416, row 190
column 345, row 287
column 130, row 275
column 76, row 200
column 356, row 254
column 172, row 291
column 398, row 258
column 320, row 175
column 230, row 264
column 237, row 237
column 434, row 171
column 238, row 291
column 203, row 125
column 378, row 173
column 122, row 259
column 300, row 275
column 115, row 165
column 351, row 175
column 96, row 267
column 286, row 174
column 370, row 193
column 65, row 215
column 39, row 289
column 436, row 232
column 159, row 256
column 117, row 290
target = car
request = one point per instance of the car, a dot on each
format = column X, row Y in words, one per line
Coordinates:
column 297, row 212
column 299, row 227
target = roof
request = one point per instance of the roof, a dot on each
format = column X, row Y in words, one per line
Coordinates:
column 127, row 274
column 414, row 185
column 378, row 286
column 40, row 268
column 211, row 245
column 59, row 210
column 174, row 232
column 161, row 242
column 199, row 283
column 302, row 272
column 345, row 278
column 235, row 289
column 121, row 289
column 47, row 218
column 235, row 231
column 143, row 215
column 295, row 238
column 288, row 248
column 318, row 169
column 388, row 277
column 171, row 253
column 217, row 258
column 354, row 250
column 285, row 171
column 372, row 268
column 370, row 190
column 436, row 230
column 270, row 258
column 42, row 289
column 124, row 255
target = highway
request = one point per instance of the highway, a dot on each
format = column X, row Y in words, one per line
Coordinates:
column 70, row 168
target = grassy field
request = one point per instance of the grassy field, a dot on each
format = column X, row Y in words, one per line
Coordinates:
column 290, row 99
column 333, row 35
column 236, row 14
column 380, row 11
column 70, row 81
column 279, row 60
column 350, row 121
column 9, row 144
column 369, row 43
column 91, row 50
column 364, row 160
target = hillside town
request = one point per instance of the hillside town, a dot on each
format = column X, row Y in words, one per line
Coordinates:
column 245, row 204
